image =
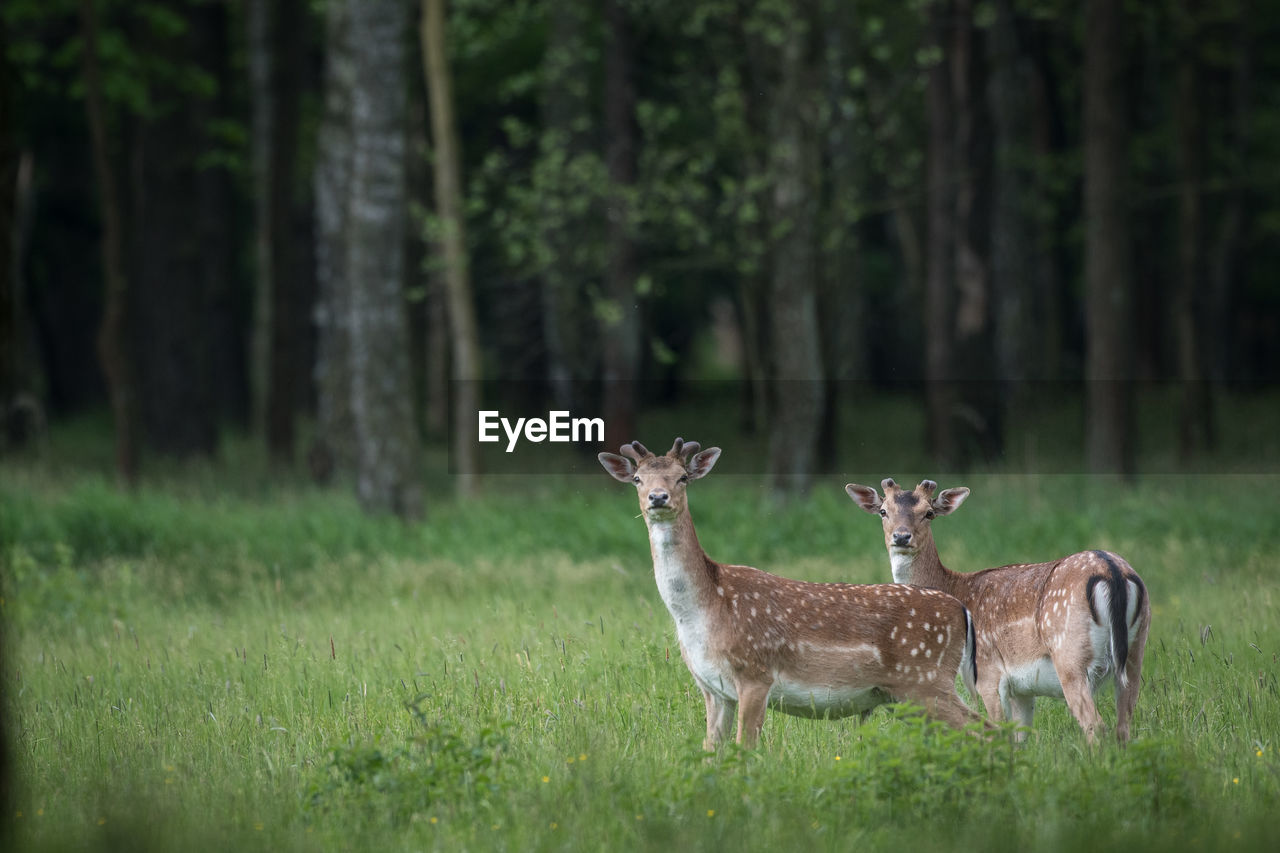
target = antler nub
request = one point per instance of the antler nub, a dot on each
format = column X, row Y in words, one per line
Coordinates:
column 635, row 450
column 927, row 488
column 888, row 485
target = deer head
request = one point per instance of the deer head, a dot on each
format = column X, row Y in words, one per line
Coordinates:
column 906, row 515
column 661, row 480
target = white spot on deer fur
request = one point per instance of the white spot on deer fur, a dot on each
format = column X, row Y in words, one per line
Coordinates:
column 720, row 590
column 753, row 611
column 915, row 652
column 939, row 638
column 908, row 624
column 913, row 611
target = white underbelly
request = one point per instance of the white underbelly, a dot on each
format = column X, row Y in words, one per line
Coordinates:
column 1035, row 678
column 809, row 700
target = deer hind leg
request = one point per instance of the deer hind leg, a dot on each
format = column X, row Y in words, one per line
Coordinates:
column 1079, row 696
column 753, row 697
column 1127, row 695
column 720, row 714
column 1022, row 710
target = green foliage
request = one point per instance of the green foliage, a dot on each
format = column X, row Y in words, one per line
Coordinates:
column 437, row 765
column 219, row 660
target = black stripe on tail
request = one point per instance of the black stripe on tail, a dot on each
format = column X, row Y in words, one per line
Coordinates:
column 971, row 647
column 1119, row 606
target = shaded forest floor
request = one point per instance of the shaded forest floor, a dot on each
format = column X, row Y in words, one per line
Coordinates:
column 232, row 658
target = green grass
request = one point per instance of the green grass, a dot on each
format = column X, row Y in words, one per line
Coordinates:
column 214, row 663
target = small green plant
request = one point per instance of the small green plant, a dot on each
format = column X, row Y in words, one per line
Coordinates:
column 436, row 765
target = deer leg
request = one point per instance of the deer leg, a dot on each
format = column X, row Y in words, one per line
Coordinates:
column 720, row 714
column 992, row 700
column 752, row 697
column 1075, row 689
column 1127, row 696
column 1022, row 711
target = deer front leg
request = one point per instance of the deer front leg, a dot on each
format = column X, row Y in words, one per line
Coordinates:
column 752, row 698
column 720, row 714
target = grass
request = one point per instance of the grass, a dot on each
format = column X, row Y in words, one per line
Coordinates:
column 216, row 663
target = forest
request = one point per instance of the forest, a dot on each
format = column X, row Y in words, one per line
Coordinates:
column 341, row 227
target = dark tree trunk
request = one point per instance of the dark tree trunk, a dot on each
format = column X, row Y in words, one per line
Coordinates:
column 978, row 421
column 940, row 240
column 1227, row 254
column 620, row 326
column 1196, row 427
column 113, row 354
column 1108, row 263
column 285, row 376
column 798, row 389
column 1013, row 236
column 8, row 217
column 457, row 277
column 180, row 245
column 840, row 292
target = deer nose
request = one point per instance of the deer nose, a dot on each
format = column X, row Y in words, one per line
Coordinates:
column 658, row 498
column 901, row 539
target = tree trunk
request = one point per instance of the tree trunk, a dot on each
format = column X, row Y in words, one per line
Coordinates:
column 8, row 218
column 180, row 299
column 620, row 323
column 334, row 447
column 1228, row 247
column 1013, row 238
column 259, row 25
column 840, row 296
column 978, row 420
column 448, row 182
column 387, row 453
column 1108, row 265
column 797, row 355
column 113, row 332
column 284, row 396
column 1196, row 423
column 940, row 242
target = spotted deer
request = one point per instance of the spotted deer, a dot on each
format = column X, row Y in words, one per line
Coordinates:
column 1062, row 628
column 752, row 639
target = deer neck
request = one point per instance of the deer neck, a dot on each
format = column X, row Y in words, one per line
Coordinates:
column 922, row 567
column 680, row 566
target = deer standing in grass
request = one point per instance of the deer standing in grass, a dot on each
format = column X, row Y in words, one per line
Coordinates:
column 1044, row 629
column 752, row 639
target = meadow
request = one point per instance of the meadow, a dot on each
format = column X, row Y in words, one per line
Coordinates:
column 232, row 660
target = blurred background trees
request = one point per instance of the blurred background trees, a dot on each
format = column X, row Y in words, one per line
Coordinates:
column 222, row 215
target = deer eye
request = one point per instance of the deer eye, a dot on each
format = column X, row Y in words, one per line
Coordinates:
column 684, row 478
column 636, row 479
column 929, row 514
column 884, row 513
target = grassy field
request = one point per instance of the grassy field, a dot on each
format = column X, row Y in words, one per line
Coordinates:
column 227, row 661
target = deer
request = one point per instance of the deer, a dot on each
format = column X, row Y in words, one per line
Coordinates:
column 1060, row 629
column 753, row 640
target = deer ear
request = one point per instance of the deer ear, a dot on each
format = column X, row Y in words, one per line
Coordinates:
column 620, row 467
column 701, row 464
column 949, row 501
column 865, row 497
